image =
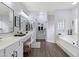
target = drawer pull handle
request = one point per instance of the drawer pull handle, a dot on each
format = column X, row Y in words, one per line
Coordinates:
column 14, row 54
column 73, row 43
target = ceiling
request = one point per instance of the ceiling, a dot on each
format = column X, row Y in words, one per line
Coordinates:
column 49, row 7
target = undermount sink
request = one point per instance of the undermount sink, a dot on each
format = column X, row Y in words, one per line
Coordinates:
column 19, row 35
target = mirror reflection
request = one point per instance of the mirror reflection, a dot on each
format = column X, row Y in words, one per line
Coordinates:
column 6, row 19
column 25, row 25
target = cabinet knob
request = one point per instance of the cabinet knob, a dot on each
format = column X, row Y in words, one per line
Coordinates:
column 73, row 43
column 14, row 54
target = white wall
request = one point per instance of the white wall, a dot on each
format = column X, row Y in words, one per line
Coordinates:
column 66, row 16
column 51, row 29
column 75, row 19
column 78, row 23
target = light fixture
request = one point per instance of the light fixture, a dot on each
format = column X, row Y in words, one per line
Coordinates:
column 74, row 3
column 23, row 14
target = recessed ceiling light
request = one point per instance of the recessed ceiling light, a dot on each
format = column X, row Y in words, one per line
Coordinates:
column 74, row 3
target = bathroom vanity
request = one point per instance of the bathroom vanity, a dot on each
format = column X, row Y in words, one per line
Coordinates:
column 12, row 46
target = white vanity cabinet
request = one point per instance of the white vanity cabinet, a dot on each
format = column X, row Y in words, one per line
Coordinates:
column 14, row 50
column 13, row 46
column 2, row 53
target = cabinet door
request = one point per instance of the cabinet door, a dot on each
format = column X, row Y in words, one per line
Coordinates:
column 2, row 53
column 20, row 50
column 11, row 50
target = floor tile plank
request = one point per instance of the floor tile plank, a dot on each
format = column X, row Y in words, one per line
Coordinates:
column 48, row 50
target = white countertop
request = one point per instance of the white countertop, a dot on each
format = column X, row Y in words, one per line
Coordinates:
column 10, row 39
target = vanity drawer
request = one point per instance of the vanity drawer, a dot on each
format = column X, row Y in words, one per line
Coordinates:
column 11, row 49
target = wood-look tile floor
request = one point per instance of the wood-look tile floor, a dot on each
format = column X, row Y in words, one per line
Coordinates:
column 48, row 50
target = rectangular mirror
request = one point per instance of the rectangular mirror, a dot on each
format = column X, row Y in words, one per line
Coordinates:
column 6, row 19
column 23, row 23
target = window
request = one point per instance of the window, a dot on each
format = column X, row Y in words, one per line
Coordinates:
column 60, row 26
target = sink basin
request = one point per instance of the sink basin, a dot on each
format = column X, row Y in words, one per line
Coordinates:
column 19, row 35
